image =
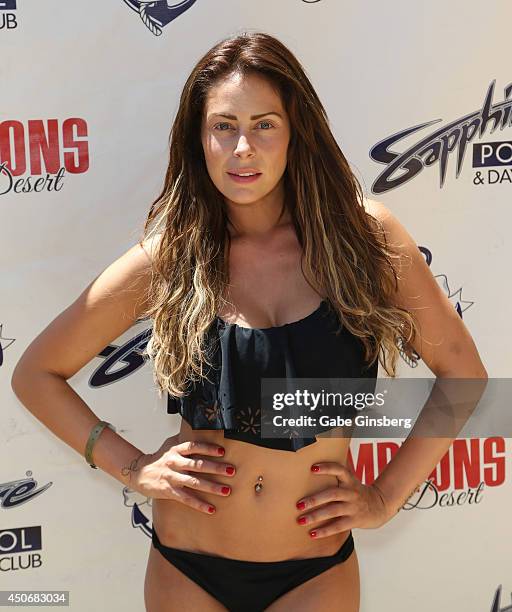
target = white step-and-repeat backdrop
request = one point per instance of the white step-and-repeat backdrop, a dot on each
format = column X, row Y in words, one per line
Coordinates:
column 419, row 99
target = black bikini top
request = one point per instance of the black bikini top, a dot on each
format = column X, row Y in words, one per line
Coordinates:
column 230, row 399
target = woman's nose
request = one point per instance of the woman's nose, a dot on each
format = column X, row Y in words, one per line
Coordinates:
column 243, row 144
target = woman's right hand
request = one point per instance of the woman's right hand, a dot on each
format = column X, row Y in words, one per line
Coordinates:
column 164, row 474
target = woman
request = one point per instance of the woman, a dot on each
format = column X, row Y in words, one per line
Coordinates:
column 246, row 277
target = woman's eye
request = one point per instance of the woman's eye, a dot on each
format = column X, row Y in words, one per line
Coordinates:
column 267, row 122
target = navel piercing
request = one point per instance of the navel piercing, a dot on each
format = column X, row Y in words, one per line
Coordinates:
column 258, row 486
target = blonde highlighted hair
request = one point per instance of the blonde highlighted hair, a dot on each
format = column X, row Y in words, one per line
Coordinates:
column 344, row 250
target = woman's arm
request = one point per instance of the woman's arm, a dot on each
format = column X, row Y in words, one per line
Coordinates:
column 445, row 345
column 106, row 309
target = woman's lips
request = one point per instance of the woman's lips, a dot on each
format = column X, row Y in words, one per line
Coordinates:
column 244, row 179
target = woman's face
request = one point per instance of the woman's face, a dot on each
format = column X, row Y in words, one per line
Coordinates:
column 245, row 128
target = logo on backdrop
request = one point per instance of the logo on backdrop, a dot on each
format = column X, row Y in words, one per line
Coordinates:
column 496, row 602
column 128, row 358
column 455, row 298
column 5, row 343
column 460, row 477
column 20, row 548
column 17, row 492
column 34, row 148
column 156, row 14
column 8, row 19
column 490, row 160
column 141, row 509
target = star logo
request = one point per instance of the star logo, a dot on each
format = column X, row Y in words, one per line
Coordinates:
column 455, row 298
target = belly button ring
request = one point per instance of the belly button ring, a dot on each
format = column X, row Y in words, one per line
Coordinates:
column 258, row 486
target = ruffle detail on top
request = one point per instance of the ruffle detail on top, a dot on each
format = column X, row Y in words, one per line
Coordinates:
column 230, row 399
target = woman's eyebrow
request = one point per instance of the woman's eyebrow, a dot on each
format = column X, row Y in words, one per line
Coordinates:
column 228, row 116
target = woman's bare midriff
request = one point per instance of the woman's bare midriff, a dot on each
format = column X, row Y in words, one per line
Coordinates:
column 248, row 525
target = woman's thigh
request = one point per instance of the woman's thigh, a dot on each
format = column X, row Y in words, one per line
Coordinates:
column 167, row 589
column 335, row 590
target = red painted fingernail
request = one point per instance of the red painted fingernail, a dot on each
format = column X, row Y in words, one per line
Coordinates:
column 312, row 534
column 221, row 451
column 230, row 470
column 301, row 505
column 225, row 490
column 302, row 520
column 315, row 468
column 211, row 509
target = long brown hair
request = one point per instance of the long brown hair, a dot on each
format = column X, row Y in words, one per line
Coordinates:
column 345, row 255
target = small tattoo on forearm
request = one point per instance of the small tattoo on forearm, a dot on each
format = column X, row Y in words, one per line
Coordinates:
column 415, row 490
column 133, row 467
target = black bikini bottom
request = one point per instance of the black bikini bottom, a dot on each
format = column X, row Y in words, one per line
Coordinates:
column 249, row 586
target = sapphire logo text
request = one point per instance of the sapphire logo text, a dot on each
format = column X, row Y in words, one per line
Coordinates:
column 451, row 138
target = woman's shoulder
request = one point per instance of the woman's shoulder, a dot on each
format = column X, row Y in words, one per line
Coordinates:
column 393, row 230
column 149, row 245
column 376, row 209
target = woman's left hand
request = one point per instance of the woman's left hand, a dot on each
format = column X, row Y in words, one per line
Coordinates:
column 350, row 504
